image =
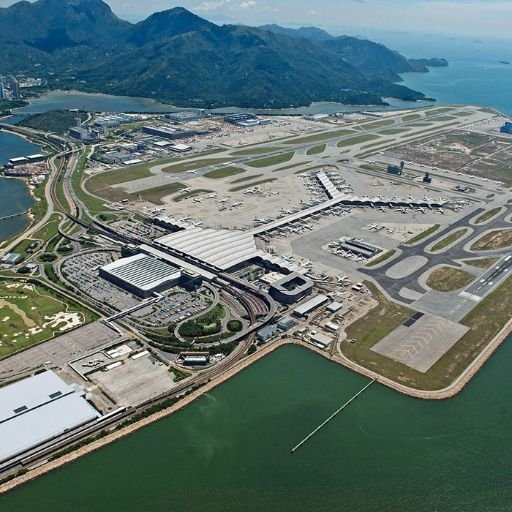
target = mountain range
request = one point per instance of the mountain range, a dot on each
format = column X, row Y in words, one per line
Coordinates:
column 181, row 58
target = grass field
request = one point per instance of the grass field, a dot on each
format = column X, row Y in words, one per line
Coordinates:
column 482, row 262
column 394, row 131
column 421, row 236
column 381, row 259
column 319, row 137
column 359, row 139
column 317, row 150
column 272, row 160
column 256, row 151
column 437, row 111
column 224, row 173
column 93, row 204
column 494, row 240
column 252, row 184
column 28, row 247
column 411, row 117
column 155, row 195
column 488, row 215
column 291, row 166
column 31, row 314
column 378, row 124
column 448, row 240
column 192, row 193
column 247, row 178
column 448, row 279
column 193, row 165
column 382, row 320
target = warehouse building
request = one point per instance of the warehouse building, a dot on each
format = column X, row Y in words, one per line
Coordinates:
column 168, row 132
column 37, row 410
column 267, row 332
column 320, row 340
column 141, row 275
column 311, row 305
column 186, row 116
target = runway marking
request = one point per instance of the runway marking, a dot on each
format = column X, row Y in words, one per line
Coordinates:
column 470, row 296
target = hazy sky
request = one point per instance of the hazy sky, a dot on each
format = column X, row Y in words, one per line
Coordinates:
column 470, row 17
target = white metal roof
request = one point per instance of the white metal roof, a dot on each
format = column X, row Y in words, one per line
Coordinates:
column 142, row 271
column 311, row 304
column 37, row 409
column 221, row 248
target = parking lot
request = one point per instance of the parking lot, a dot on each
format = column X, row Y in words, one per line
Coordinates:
column 83, row 272
column 176, row 306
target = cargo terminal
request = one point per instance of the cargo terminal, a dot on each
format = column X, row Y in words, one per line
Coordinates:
column 37, row 410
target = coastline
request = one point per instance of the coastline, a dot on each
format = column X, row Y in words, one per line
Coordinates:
column 449, row 392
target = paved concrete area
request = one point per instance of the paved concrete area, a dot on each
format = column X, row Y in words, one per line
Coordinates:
column 406, row 267
column 452, row 306
column 422, row 344
column 135, row 381
column 58, row 351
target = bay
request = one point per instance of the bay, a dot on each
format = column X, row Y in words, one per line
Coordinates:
column 230, row 450
column 14, row 193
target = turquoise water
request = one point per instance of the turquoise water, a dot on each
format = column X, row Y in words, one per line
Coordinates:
column 14, row 194
column 230, row 450
column 483, row 83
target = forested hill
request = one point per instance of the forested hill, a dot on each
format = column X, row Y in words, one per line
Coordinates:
column 178, row 57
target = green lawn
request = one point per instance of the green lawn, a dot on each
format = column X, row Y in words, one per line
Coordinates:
column 360, row 139
column 378, row 124
column 272, row 160
column 27, row 315
column 226, row 172
column 500, row 239
column 194, row 165
column 192, row 193
column 448, row 240
column 481, row 262
column 421, row 236
column 448, row 279
column 291, row 166
column 381, row 259
column 256, row 151
column 488, row 215
column 394, row 131
column 411, row 117
column 49, row 230
column 247, row 178
column 317, row 150
column 382, row 320
column 155, row 195
column 252, row 184
column 319, row 137
column 28, row 247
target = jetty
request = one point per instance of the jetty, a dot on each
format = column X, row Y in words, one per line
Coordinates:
column 332, row 416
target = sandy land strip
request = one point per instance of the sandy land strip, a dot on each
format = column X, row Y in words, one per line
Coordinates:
column 456, row 387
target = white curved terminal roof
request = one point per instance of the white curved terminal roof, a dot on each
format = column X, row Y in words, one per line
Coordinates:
column 221, row 248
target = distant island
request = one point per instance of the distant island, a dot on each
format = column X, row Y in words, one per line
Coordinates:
column 177, row 57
